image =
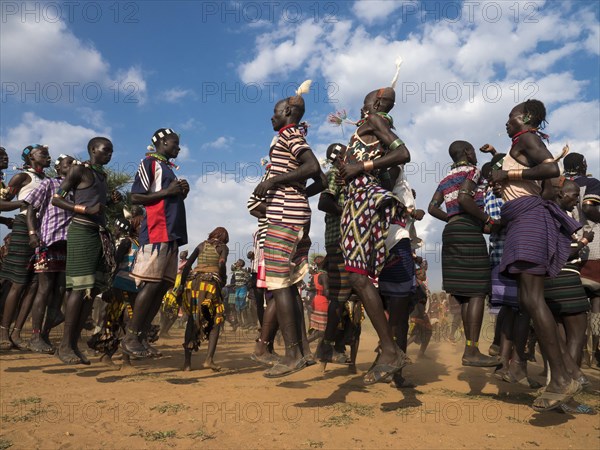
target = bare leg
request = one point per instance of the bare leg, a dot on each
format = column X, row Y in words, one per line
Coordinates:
column 144, row 311
column 65, row 351
column 506, row 339
column 289, row 323
column 24, row 311
column 45, row 293
column 472, row 315
column 213, row 339
column 390, row 352
column 531, row 299
column 54, row 315
column 267, row 331
column 574, row 327
column 518, row 365
column 10, row 307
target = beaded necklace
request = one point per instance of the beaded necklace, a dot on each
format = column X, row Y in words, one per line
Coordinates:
column 544, row 136
column 162, row 158
column 380, row 113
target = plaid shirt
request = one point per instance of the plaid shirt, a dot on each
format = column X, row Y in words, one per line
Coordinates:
column 53, row 221
column 493, row 207
column 332, row 222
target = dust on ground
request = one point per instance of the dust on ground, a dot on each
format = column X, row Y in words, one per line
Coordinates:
column 46, row 404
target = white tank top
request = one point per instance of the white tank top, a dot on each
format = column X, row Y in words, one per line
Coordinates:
column 36, row 180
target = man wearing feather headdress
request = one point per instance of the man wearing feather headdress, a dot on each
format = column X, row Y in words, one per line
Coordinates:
column 368, row 212
column 288, row 213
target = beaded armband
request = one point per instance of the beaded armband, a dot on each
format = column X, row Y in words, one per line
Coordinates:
column 61, row 193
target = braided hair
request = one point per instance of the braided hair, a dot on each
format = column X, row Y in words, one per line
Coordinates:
column 537, row 112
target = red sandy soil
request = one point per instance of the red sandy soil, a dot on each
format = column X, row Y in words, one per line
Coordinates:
column 46, row 404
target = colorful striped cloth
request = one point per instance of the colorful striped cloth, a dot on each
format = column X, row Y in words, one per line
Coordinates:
column 287, row 203
column 320, row 305
column 538, row 236
column 465, row 260
column 449, row 187
column 203, row 305
column 339, row 280
column 18, row 264
column 286, row 255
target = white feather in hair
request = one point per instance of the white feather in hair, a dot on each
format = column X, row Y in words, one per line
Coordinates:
column 304, row 88
column 395, row 79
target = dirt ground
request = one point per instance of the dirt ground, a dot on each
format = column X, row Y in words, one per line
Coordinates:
column 46, row 404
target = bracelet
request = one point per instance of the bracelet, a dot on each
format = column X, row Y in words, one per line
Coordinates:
column 32, row 232
column 368, row 165
column 515, row 174
column 397, row 143
column 584, row 241
column 490, row 221
column 548, row 160
column 61, row 193
column 79, row 209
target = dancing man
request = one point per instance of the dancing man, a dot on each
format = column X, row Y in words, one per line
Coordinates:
column 162, row 232
column 537, row 238
column 288, row 214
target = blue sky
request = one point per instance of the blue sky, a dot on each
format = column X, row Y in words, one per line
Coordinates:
column 213, row 70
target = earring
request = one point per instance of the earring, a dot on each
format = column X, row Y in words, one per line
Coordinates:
column 526, row 118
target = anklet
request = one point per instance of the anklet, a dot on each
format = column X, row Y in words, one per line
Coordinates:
column 328, row 342
column 36, row 331
column 472, row 343
column 262, row 342
column 293, row 345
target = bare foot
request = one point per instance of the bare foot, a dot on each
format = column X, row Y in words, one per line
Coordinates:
column 210, row 364
column 108, row 362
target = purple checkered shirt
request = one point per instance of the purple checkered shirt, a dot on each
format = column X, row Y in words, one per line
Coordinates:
column 53, row 221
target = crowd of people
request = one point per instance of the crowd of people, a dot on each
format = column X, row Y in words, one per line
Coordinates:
column 540, row 271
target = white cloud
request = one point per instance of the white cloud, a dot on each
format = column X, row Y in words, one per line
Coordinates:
column 132, row 85
column 189, row 124
column 299, row 44
column 35, row 55
column 220, row 143
column 61, row 136
column 184, row 153
column 375, row 10
column 175, row 94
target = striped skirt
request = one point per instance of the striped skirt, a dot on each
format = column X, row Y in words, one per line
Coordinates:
column 318, row 316
column 565, row 294
column 398, row 277
column 86, row 268
column 286, row 255
column 18, row 264
column 538, row 237
column 339, row 280
column 465, row 261
column 504, row 290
